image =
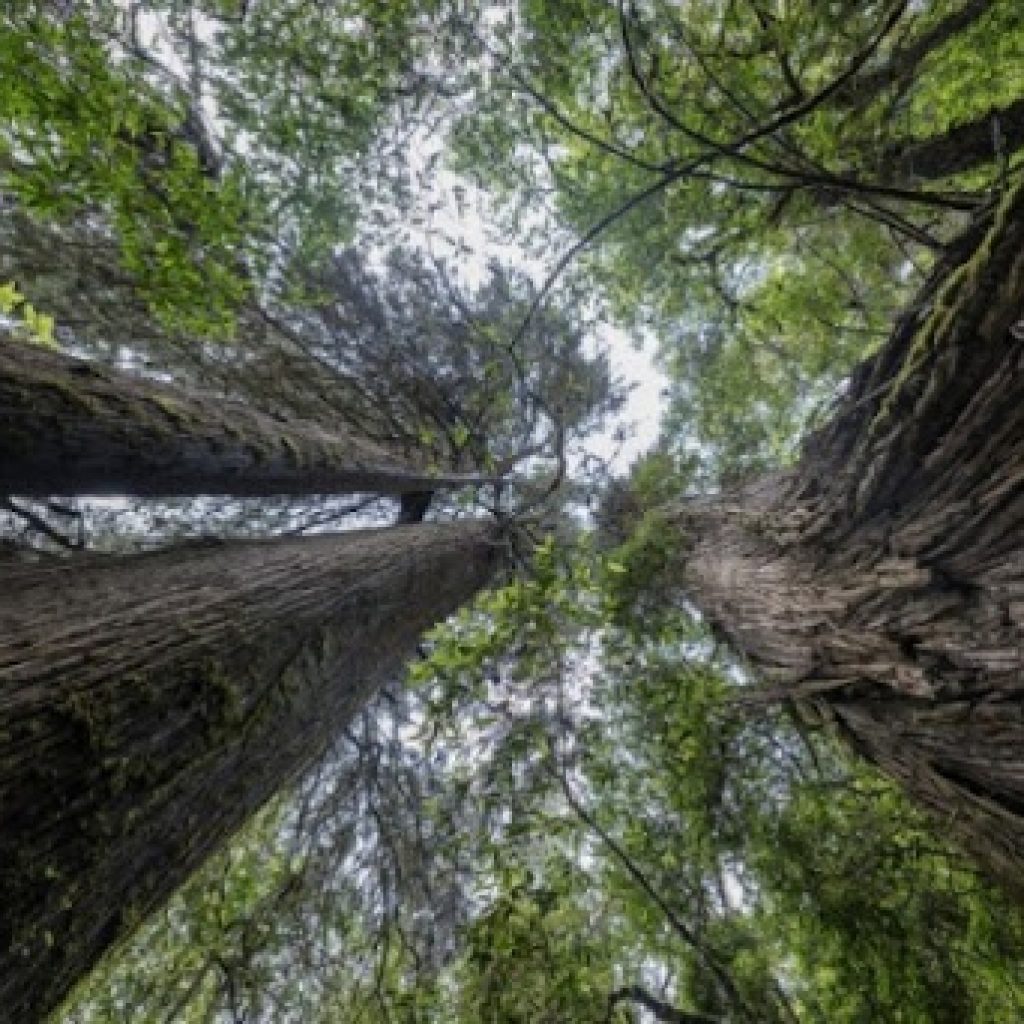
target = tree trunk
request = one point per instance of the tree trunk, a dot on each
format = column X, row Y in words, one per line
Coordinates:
column 150, row 704
column 965, row 147
column 903, row 64
column 880, row 584
column 72, row 427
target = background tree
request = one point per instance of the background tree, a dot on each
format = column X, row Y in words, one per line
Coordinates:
column 582, row 753
column 728, row 172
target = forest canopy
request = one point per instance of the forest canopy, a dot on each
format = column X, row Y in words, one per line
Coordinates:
column 347, row 672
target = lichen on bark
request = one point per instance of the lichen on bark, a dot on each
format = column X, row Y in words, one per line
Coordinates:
column 149, row 704
column 878, row 586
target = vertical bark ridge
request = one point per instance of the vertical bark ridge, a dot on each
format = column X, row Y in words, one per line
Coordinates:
column 73, row 427
column 922, row 392
column 150, row 704
column 880, row 583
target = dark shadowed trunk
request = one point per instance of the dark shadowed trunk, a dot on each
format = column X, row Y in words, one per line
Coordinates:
column 880, row 584
column 150, row 704
column 904, row 63
column 72, row 427
column 964, row 147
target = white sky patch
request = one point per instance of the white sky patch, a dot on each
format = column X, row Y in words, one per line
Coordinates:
column 642, row 412
column 451, row 220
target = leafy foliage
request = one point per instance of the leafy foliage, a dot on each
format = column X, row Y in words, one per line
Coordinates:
column 85, row 134
column 583, row 808
column 102, row 128
column 30, row 323
column 744, row 178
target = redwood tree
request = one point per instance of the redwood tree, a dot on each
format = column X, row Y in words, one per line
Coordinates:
column 879, row 585
column 74, row 427
column 150, row 703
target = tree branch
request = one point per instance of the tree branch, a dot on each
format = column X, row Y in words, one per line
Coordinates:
column 715, row 150
column 40, row 525
column 904, row 62
column 661, row 1010
column 723, row 980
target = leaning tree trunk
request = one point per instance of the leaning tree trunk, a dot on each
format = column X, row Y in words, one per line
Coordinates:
column 73, row 427
column 149, row 704
column 880, row 584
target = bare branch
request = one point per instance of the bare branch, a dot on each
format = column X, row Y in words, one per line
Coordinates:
column 40, row 525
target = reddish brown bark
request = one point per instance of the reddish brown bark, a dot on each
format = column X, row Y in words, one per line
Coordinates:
column 879, row 586
column 149, row 704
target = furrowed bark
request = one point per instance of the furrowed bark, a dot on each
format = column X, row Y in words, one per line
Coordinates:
column 879, row 586
column 72, row 427
column 150, row 704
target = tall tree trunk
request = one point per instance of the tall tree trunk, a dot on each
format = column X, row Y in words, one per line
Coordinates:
column 149, row 704
column 72, row 427
column 880, row 584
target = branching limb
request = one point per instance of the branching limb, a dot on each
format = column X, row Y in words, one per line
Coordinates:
column 722, row 978
column 904, row 62
column 660, row 1010
column 37, row 523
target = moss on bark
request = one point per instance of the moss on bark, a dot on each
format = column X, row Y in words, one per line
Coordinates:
column 150, row 704
column 879, row 586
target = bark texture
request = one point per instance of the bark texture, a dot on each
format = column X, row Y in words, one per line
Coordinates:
column 73, row 427
column 880, row 585
column 150, row 704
